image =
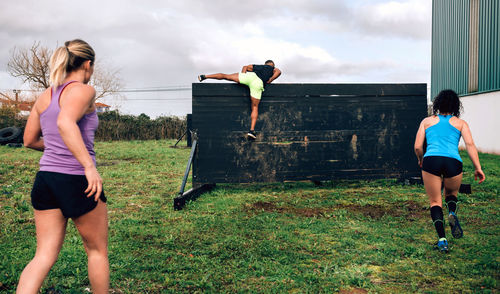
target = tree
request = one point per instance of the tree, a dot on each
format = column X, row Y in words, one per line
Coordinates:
column 105, row 80
column 32, row 66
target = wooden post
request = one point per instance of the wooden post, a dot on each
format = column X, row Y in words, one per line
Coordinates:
column 16, row 92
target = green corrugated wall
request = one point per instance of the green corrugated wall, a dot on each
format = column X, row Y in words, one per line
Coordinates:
column 450, row 43
column 450, row 46
column 489, row 45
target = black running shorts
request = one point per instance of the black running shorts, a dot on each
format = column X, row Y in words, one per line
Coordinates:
column 53, row 190
column 442, row 166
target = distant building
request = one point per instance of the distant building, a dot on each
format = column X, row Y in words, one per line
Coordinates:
column 24, row 108
column 466, row 59
column 101, row 107
column 4, row 102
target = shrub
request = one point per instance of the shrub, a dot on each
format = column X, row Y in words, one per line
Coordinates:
column 8, row 118
column 116, row 126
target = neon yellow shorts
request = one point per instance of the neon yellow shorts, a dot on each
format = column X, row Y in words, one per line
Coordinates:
column 253, row 82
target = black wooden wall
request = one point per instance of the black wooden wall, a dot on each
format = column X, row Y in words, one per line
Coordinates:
column 307, row 131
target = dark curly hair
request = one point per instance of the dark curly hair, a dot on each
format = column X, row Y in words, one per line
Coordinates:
column 447, row 101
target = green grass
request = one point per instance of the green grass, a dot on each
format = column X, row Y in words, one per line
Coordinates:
column 287, row 237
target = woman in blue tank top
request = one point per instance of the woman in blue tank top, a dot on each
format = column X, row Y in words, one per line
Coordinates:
column 441, row 161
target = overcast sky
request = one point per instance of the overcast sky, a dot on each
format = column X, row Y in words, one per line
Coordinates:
column 161, row 43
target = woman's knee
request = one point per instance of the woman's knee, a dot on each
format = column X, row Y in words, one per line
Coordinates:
column 96, row 244
column 451, row 188
column 435, row 202
column 97, row 252
column 46, row 259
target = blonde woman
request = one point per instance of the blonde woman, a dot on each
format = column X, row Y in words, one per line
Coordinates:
column 441, row 162
column 68, row 184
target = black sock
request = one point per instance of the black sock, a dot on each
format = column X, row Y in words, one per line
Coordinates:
column 451, row 202
column 437, row 219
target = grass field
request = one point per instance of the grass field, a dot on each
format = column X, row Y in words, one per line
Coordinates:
column 348, row 237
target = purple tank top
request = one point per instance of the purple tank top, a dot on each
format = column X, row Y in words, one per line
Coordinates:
column 56, row 155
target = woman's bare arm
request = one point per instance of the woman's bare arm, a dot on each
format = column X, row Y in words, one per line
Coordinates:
column 419, row 143
column 472, row 151
column 78, row 99
column 33, row 131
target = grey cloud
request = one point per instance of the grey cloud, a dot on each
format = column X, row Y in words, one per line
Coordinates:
column 303, row 69
column 405, row 23
column 154, row 42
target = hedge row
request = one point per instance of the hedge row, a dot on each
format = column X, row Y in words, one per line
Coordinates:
column 8, row 118
column 116, row 126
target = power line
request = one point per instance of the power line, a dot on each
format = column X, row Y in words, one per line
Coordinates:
column 158, row 99
column 130, row 90
column 156, row 89
column 22, row 90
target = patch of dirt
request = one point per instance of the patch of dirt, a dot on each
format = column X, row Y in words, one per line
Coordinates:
column 414, row 210
column 311, row 212
column 266, row 206
column 108, row 163
column 271, row 207
column 409, row 209
column 373, row 211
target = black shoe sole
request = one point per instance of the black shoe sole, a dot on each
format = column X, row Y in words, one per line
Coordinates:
column 456, row 229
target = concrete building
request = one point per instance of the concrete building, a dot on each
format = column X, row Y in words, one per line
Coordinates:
column 101, row 107
column 466, row 58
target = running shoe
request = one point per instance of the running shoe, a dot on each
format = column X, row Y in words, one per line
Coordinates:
column 442, row 245
column 456, row 229
column 201, row 78
column 252, row 135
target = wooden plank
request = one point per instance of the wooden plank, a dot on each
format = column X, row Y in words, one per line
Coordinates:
column 366, row 132
column 311, row 90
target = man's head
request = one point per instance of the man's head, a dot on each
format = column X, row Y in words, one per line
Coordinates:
column 269, row 62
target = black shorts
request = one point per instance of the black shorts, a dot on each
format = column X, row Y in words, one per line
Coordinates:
column 53, row 190
column 442, row 166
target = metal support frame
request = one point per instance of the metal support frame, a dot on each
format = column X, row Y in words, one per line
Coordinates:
column 190, row 195
column 175, row 145
column 188, row 132
column 197, row 190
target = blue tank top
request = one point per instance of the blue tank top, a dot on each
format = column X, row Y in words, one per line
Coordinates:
column 442, row 139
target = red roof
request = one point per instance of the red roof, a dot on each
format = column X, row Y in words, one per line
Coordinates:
column 99, row 105
column 26, row 106
column 6, row 101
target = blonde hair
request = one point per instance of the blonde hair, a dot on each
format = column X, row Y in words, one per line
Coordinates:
column 68, row 58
